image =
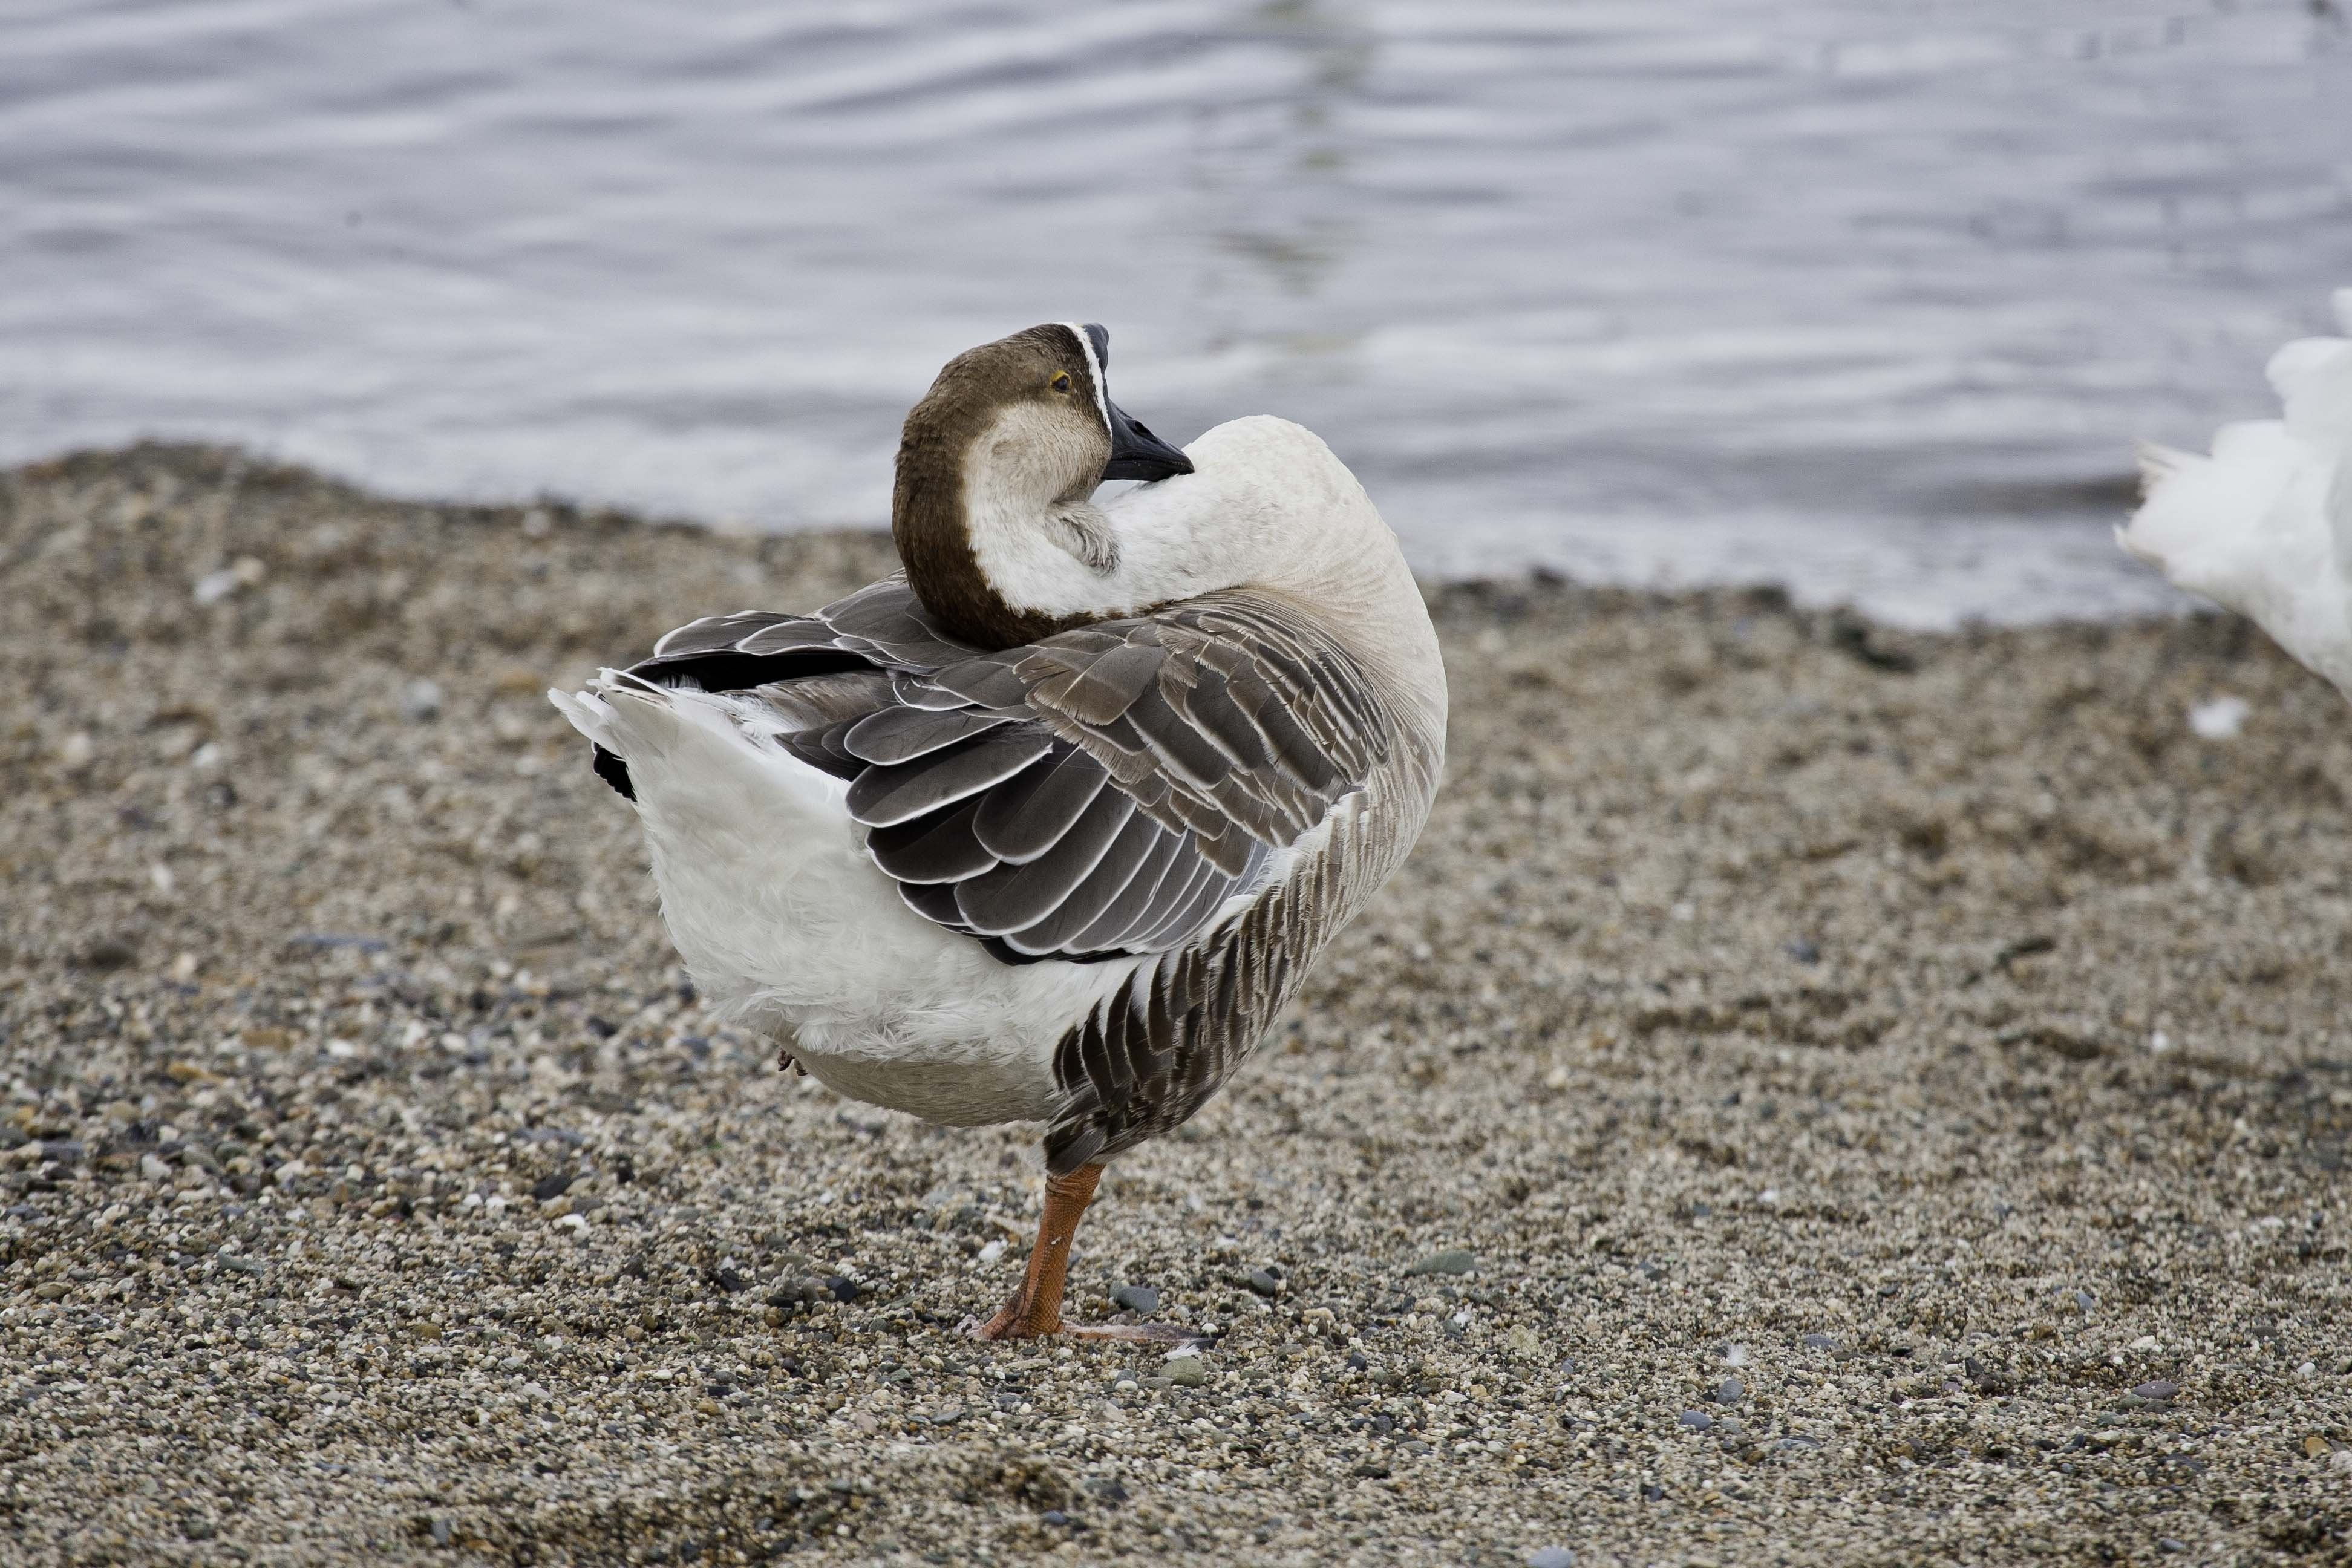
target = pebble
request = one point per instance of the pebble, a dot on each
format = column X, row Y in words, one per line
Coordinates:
column 1190, row 1371
column 110, row 952
column 1454, row 1262
column 1730, row 1391
column 421, row 700
column 1135, row 1298
column 2159, row 1389
column 1262, row 1282
column 1697, row 1420
column 1551, row 1557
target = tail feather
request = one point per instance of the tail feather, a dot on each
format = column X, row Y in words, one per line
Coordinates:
column 623, row 717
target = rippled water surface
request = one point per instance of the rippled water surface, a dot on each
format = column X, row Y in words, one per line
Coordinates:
column 1863, row 296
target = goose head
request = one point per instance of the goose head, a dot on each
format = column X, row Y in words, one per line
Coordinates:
column 993, row 511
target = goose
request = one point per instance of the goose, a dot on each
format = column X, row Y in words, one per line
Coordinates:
column 1048, row 826
column 2264, row 525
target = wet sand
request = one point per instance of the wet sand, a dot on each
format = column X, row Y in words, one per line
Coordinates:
column 1886, row 1098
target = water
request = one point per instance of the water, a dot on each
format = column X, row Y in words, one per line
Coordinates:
column 1863, row 296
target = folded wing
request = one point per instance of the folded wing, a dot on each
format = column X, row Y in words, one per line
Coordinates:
column 1099, row 794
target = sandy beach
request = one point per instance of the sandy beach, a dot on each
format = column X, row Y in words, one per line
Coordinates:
column 1818, row 1094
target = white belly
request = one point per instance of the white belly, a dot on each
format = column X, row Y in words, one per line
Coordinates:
column 787, row 927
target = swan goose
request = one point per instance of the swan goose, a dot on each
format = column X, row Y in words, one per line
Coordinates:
column 1048, row 827
column 2264, row 525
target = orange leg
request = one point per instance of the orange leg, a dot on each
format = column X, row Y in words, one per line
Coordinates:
column 1035, row 1308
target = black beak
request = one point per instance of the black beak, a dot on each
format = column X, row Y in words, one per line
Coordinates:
column 1135, row 452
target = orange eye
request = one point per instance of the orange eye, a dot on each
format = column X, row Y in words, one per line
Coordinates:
column 1061, row 381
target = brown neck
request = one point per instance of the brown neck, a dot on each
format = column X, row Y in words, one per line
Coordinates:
column 934, row 537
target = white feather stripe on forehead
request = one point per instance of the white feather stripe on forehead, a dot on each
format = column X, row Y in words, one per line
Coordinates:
column 1094, row 369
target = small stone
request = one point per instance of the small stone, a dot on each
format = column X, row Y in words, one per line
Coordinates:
column 2085, row 1301
column 1697, row 1420
column 109, row 953
column 441, row 1533
column 1355, row 1361
column 1135, row 1298
column 1189, row 1371
column 2159, row 1389
column 2316, row 1444
column 1730, row 1391
column 1454, row 1262
column 420, row 699
column 1804, row 951
column 2219, row 719
column 1262, row 1282
column 1055, row 1516
column 1820, row 1343
column 1551, row 1557
column 843, row 1289
column 2167, row 1543
column 548, row 1188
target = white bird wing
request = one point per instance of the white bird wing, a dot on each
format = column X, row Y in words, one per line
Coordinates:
column 2263, row 525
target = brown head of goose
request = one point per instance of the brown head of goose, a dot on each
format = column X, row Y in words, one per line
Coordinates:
column 1050, row 826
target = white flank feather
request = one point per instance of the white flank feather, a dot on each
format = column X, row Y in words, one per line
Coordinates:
column 2263, row 526
column 788, row 927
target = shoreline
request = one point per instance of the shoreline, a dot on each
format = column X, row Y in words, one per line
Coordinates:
column 1930, row 1034
column 2115, row 495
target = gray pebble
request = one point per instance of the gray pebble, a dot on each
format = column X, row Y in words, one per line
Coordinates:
column 1188, row 1372
column 1262, row 1282
column 1551, row 1557
column 2159, row 1389
column 1135, row 1298
column 1697, row 1420
column 420, row 699
column 109, row 953
column 1730, row 1391
column 1449, row 1262
column 1820, row 1343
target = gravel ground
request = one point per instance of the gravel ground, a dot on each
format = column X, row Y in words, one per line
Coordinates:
column 1817, row 1095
